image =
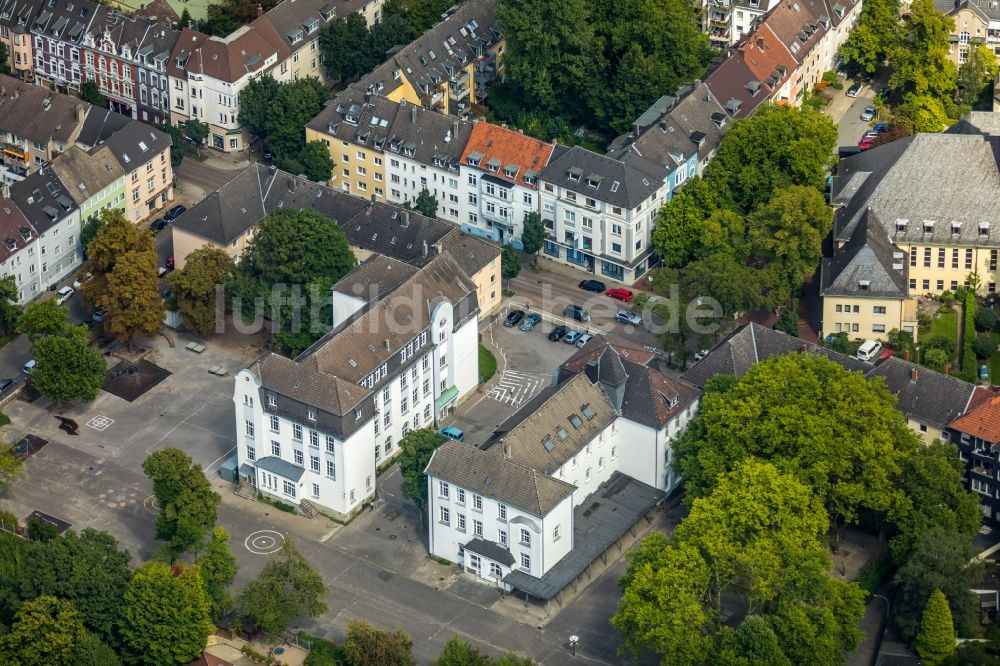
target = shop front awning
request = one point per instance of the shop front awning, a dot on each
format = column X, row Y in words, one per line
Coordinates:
column 445, row 398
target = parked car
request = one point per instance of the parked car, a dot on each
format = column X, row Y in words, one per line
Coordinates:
column 583, row 339
column 6, row 385
column 868, row 350
column 158, row 225
column 868, row 113
column 174, row 213
column 882, row 127
column 571, row 337
column 557, row 333
column 700, row 354
column 451, row 432
column 577, row 312
column 64, row 295
column 530, row 321
column 592, row 285
column 100, row 315
column 854, row 90
column 514, row 318
column 621, row 294
column 884, row 93
column 626, row 317
column 29, row 367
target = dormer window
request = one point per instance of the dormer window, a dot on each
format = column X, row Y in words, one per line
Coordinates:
column 901, row 225
column 863, row 285
column 956, row 227
column 493, row 165
column 511, row 171
column 984, row 228
column 574, row 174
column 311, row 413
column 928, row 226
column 474, row 158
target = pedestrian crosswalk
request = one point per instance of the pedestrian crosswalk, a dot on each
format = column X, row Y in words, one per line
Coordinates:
column 514, row 387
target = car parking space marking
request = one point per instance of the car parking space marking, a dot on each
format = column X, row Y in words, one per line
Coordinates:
column 100, row 423
column 514, row 387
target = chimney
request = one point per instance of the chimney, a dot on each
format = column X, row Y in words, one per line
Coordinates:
column 368, row 210
column 17, row 92
column 803, row 348
column 454, row 128
column 906, row 354
column 413, row 114
column 946, row 369
column 425, row 249
column 388, row 346
column 913, row 375
column 405, row 218
column 437, row 248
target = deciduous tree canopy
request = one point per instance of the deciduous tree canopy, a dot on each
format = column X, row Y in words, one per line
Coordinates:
column 287, row 589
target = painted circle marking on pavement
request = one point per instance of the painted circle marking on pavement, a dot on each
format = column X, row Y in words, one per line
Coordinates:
column 264, row 542
column 151, row 504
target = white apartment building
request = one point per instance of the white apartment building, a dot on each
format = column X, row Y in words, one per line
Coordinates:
column 18, row 240
column 600, row 211
column 519, row 512
column 403, row 352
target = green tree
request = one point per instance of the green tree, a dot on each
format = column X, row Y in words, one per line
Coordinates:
column 197, row 131
column 416, row 449
column 976, row 77
column 921, row 63
column 533, row 234
column 4, row 59
column 786, row 237
column 936, row 358
column 165, row 619
column 986, row 319
column 294, row 105
column 10, row 467
column 114, row 236
column 922, row 113
column 86, row 569
column 940, row 560
column 752, row 643
column 92, row 651
column 256, row 100
column 367, row 645
column 933, row 482
column 459, row 653
column 68, row 367
column 637, row 83
column 788, row 321
column 875, row 38
column 41, row 318
column 132, row 295
column 10, row 312
column 936, row 640
column 346, row 48
column 317, row 164
column 287, row 589
column 45, row 632
column 217, row 567
column 426, row 203
column 185, row 21
column 663, row 607
column 776, row 147
column 679, row 223
column 195, row 285
column 89, row 92
column 510, row 262
column 984, row 346
column 188, row 505
column 811, row 418
column 818, row 622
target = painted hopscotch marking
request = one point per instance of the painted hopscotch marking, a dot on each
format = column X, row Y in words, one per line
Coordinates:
column 514, row 387
column 100, row 423
column 264, row 542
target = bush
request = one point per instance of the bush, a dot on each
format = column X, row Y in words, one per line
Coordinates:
column 984, row 346
column 924, row 321
column 942, row 342
column 322, row 652
column 946, row 297
column 839, row 343
column 901, row 341
column 872, row 575
column 986, row 319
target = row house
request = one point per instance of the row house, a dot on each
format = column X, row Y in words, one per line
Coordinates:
column 500, row 170
column 143, row 153
column 207, row 75
column 314, row 430
column 726, row 21
column 152, row 82
column 599, row 212
column 977, row 436
column 16, row 17
column 904, row 229
column 57, row 34
column 300, row 24
column 226, row 219
column 93, row 179
column 565, row 477
column 448, row 67
column 18, row 236
column 54, row 219
column 35, row 125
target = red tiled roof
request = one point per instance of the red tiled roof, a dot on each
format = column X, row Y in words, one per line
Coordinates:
column 246, row 50
column 510, row 147
column 763, row 52
column 982, row 422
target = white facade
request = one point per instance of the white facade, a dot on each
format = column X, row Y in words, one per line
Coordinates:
column 458, row 515
column 59, row 249
column 407, row 177
column 24, row 267
column 495, row 207
column 338, row 474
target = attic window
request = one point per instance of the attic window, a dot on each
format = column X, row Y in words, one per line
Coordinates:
column 548, row 445
column 143, row 147
column 794, row 47
column 493, row 165
column 588, row 413
column 574, row 174
column 956, row 227
column 511, row 170
column 614, row 186
column 928, row 226
column 753, row 86
column 901, row 224
column 864, row 284
column 561, row 433
column 984, row 228
column 474, row 158
column 575, row 421
column 529, row 177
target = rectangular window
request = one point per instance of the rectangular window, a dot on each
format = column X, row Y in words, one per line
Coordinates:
column 525, row 537
column 275, row 449
column 249, row 429
column 289, row 488
column 968, row 259
column 331, row 469
column 251, row 453
column 297, row 454
column 477, row 502
column 329, row 443
column 297, row 432
column 502, row 537
column 314, row 463
column 913, row 257
column 941, row 257
column 460, row 521
column 525, row 561
column 314, row 439
column 477, row 528
column 274, row 423
column 927, row 257
column 315, row 491
column 954, row 258
column 461, row 496
column 443, row 489
column 445, row 516
column 993, row 260
column 502, row 511
column 879, row 309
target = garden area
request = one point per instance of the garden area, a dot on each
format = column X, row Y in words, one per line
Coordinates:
column 487, row 364
column 940, row 345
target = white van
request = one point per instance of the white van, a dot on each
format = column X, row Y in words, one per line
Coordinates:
column 869, row 350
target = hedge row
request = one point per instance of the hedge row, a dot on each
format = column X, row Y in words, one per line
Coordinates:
column 968, row 335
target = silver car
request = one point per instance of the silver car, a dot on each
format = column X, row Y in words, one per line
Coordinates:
column 626, row 317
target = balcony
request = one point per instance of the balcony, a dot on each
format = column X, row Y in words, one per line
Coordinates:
column 16, row 152
column 982, row 471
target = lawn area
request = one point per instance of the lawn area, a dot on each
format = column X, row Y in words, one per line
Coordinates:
column 487, row 364
column 995, row 360
column 946, row 324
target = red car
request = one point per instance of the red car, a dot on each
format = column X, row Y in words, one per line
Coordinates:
column 621, row 294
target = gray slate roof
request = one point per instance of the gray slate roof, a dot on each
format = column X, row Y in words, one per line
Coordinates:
column 38, row 114
column 137, row 143
column 751, row 344
column 599, row 520
column 941, row 178
column 868, row 259
column 43, row 199
column 927, row 396
column 637, row 179
column 491, row 550
column 490, row 474
column 100, row 125
column 18, row 14
column 282, row 468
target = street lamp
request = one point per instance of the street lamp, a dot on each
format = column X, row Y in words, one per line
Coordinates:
column 573, row 640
